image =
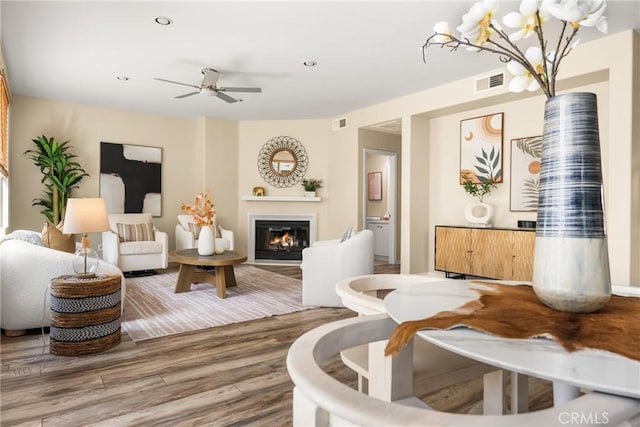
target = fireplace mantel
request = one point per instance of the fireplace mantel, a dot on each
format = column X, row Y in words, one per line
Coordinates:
column 281, row 199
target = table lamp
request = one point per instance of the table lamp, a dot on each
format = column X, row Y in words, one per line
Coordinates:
column 85, row 215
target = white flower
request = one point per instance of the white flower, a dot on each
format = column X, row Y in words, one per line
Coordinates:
column 443, row 34
column 588, row 13
column 479, row 31
column 523, row 78
column 475, row 23
column 526, row 20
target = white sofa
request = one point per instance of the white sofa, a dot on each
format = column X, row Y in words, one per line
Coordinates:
column 26, row 270
column 185, row 239
column 137, row 255
column 328, row 261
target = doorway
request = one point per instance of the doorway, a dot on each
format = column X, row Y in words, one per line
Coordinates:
column 380, row 201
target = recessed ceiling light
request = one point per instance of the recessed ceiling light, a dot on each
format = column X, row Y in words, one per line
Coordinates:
column 310, row 63
column 123, row 78
column 163, row 20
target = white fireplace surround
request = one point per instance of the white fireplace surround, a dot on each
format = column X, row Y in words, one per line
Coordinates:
column 251, row 238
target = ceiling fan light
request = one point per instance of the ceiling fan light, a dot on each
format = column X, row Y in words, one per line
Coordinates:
column 207, row 91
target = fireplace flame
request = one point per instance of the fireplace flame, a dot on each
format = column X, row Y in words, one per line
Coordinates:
column 285, row 240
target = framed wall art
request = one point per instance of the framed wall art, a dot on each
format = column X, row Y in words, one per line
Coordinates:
column 525, row 173
column 374, row 186
column 481, row 148
column 131, row 178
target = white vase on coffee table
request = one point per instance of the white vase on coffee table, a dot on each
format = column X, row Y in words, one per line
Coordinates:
column 206, row 241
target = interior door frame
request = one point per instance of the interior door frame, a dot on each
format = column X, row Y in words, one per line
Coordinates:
column 393, row 195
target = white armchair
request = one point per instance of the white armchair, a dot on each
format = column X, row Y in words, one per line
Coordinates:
column 134, row 244
column 185, row 238
column 26, row 269
column 329, row 261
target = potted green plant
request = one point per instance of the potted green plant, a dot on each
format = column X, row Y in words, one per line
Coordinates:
column 61, row 174
column 310, row 186
column 478, row 214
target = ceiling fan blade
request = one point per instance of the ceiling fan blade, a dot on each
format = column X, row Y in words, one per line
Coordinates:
column 177, row 83
column 186, row 94
column 241, row 89
column 226, row 97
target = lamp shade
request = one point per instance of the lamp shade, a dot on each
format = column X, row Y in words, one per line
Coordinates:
column 85, row 215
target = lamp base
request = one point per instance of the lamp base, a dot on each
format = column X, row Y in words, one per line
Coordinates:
column 85, row 263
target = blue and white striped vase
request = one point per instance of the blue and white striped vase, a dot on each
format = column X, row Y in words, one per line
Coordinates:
column 571, row 261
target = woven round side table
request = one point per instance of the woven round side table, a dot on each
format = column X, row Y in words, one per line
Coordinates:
column 85, row 314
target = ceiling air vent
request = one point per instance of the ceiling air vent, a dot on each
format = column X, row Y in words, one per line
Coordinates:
column 489, row 82
column 339, row 123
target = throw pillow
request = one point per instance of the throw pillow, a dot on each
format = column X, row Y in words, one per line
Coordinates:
column 195, row 229
column 135, row 232
column 28, row 236
column 347, row 235
column 53, row 238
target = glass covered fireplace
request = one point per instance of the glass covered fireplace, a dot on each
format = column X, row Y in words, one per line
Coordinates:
column 281, row 239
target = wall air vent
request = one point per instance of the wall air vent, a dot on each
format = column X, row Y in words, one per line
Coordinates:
column 339, row 124
column 489, row 82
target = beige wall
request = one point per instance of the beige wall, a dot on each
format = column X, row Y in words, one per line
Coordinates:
column 221, row 155
column 220, row 168
column 86, row 127
column 441, row 108
column 313, row 135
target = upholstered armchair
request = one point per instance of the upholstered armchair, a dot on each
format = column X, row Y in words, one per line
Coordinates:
column 186, row 237
column 329, row 261
column 26, row 269
column 133, row 243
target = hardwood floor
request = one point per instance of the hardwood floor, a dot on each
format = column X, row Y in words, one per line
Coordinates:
column 224, row 376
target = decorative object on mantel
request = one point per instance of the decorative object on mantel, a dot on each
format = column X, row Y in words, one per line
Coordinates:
column 310, row 186
column 203, row 212
column 478, row 214
column 258, row 191
column 571, row 263
column 514, row 311
column 282, row 161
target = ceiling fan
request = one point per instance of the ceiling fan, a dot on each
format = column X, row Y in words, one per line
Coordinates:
column 209, row 87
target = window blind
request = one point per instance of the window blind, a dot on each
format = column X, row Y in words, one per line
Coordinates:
column 4, row 126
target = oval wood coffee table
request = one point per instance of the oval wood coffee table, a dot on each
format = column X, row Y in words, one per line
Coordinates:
column 189, row 273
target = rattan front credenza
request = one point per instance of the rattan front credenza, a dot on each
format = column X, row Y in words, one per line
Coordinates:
column 85, row 314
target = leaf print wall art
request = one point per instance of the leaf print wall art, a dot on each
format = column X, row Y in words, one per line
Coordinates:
column 525, row 173
column 481, row 148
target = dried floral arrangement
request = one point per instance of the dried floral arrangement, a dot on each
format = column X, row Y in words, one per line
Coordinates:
column 203, row 210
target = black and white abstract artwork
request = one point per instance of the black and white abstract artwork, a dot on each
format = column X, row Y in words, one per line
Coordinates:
column 131, row 178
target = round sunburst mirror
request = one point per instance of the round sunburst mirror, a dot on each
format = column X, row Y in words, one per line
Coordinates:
column 282, row 161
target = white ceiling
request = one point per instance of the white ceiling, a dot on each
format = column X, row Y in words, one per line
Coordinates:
column 367, row 52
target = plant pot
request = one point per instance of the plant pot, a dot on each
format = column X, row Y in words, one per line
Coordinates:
column 309, row 194
column 206, row 241
column 571, row 261
column 478, row 214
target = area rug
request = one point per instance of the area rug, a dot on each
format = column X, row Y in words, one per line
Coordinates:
column 153, row 310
